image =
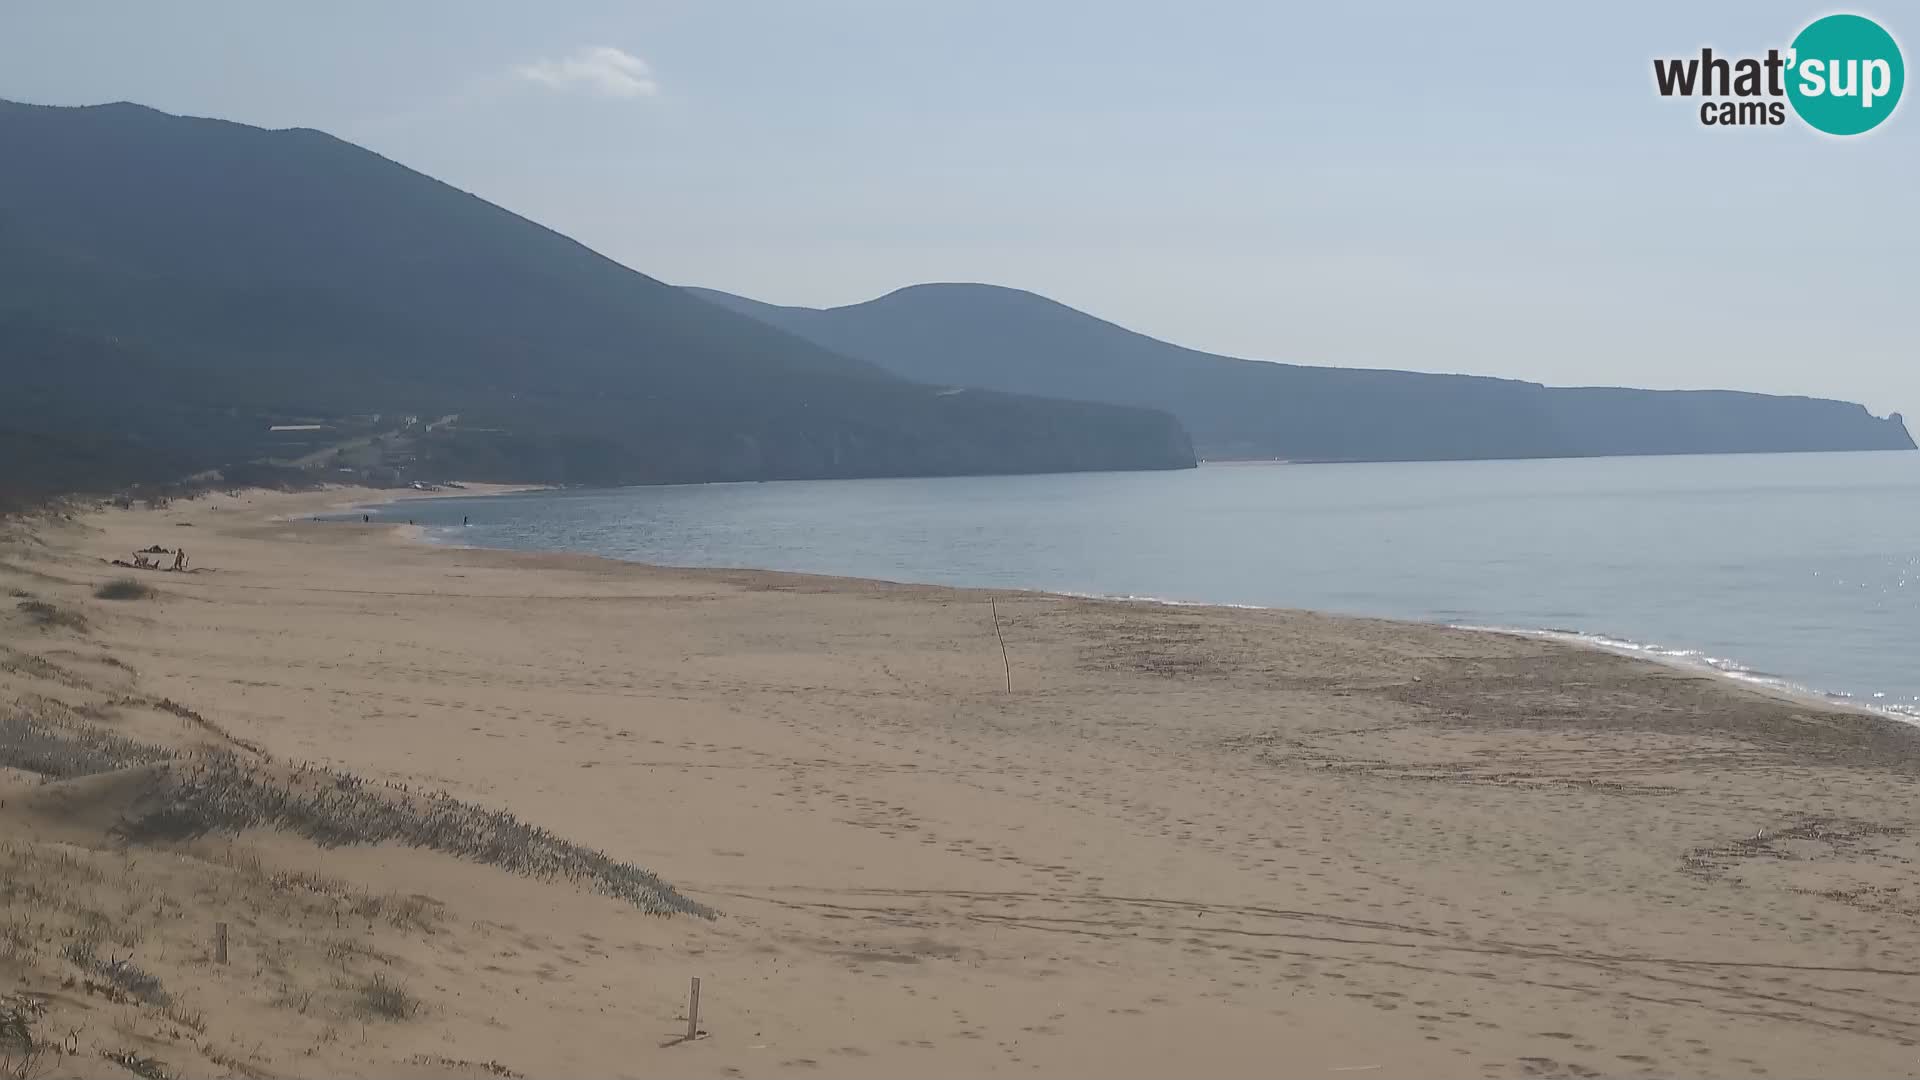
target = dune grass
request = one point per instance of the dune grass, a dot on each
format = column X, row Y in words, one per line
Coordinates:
column 49, row 616
column 387, row 999
column 220, row 792
column 125, row 588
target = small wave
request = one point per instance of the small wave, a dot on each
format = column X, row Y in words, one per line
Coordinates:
column 1699, row 660
column 1693, row 659
column 1161, row 601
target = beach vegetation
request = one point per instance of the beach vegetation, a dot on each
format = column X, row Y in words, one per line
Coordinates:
column 387, row 999
column 49, row 616
column 218, row 791
column 125, row 588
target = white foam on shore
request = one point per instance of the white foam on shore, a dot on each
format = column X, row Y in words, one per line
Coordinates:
column 1158, row 600
column 1691, row 659
column 1696, row 660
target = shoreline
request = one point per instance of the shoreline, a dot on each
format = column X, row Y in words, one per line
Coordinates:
column 1184, row 840
column 1694, row 660
column 1681, row 657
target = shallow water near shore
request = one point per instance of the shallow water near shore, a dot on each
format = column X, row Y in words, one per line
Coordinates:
column 1800, row 571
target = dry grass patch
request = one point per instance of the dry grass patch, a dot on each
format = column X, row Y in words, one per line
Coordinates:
column 131, row 852
column 219, row 792
column 120, row 972
column 387, row 999
column 65, row 748
column 23, row 1053
column 125, row 588
column 194, row 1020
column 222, row 793
column 299, row 999
column 50, row 616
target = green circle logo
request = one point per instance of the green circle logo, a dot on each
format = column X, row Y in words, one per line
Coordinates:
column 1845, row 74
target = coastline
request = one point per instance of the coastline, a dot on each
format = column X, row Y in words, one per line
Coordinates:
column 1679, row 656
column 1688, row 659
column 1190, row 839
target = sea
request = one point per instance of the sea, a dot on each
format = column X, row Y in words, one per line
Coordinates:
column 1797, row 571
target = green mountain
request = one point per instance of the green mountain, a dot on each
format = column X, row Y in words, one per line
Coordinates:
column 171, row 288
column 1013, row 341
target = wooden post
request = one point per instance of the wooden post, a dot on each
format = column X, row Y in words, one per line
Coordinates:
column 219, row 943
column 693, row 1011
column 1004, row 662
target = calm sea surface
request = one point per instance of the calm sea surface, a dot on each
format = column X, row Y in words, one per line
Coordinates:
column 1800, row 569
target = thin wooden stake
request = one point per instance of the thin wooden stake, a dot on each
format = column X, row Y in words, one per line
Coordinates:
column 693, row 1011
column 1004, row 662
column 219, row 943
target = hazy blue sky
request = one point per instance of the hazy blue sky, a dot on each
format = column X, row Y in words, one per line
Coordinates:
column 1496, row 191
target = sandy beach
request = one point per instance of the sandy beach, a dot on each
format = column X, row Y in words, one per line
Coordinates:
column 1186, row 841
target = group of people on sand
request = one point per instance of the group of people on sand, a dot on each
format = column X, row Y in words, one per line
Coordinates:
column 142, row 562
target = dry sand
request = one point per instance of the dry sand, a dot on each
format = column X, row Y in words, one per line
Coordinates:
column 1188, row 842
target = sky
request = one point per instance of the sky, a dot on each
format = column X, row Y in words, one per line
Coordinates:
column 1498, row 190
